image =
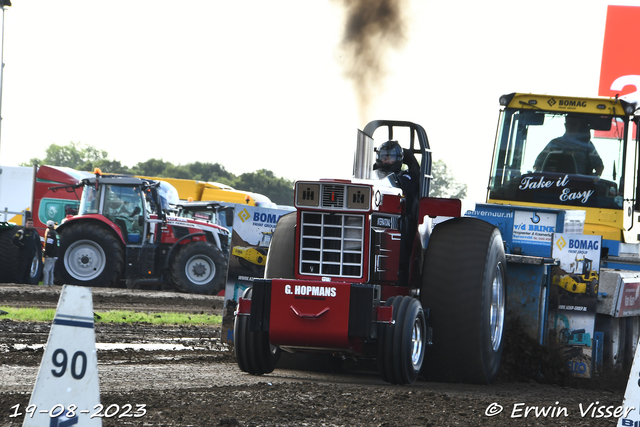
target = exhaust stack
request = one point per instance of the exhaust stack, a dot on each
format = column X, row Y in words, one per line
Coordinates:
column 363, row 157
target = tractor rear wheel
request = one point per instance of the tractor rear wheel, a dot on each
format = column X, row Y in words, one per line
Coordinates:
column 9, row 256
column 464, row 288
column 281, row 256
column 199, row 268
column 279, row 264
column 254, row 354
column 90, row 255
column 402, row 345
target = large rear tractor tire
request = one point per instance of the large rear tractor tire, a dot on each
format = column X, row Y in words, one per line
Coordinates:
column 402, row 345
column 90, row 255
column 464, row 287
column 199, row 268
column 254, row 354
column 9, row 259
column 281, row 257
column 8, row 256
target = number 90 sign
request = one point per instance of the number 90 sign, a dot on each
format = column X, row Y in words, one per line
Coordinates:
column 77, row 365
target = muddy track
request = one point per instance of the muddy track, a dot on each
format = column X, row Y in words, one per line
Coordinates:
column 191, row 377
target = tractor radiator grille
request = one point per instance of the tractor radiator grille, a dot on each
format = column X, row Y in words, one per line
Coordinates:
column 333, row 196
column 332, row 244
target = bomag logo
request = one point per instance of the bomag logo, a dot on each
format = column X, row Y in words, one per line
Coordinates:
column 314, row 291
column 244, row 215
column 572, row 103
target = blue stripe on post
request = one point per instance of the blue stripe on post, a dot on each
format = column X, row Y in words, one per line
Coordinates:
column 74, row 323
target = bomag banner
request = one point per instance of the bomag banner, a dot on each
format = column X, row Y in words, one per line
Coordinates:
column 251, row 234
column 573, row 298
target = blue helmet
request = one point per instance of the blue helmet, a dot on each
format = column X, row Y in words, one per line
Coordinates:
column 390, row 156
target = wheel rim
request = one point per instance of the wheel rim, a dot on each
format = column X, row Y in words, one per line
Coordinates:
column 34, row 265
column 84, row 260
column 416, row 344
column 200, row 269
column 273, row 349
column 497, row 308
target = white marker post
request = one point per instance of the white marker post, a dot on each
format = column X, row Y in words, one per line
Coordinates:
column 631, row 402
column 67, row 391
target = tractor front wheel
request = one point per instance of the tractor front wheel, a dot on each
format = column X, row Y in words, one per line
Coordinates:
column 464, row 288
column 254, row 354
column 402, row 345
column 199, row 268
column 90, row 255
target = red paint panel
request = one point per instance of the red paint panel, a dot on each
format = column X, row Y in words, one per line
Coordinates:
column 435, row 206
column 620, row 63
column 244, row 306
column 309, row 313
column 391, row 203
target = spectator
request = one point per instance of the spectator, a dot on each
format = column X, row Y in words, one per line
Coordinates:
column 28, row 242
column 50, row 254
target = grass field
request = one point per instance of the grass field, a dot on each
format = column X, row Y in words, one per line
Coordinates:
column 46, row 315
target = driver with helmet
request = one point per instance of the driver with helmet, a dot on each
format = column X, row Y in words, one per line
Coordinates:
column 390, row 157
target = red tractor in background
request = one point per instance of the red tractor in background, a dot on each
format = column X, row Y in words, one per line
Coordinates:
column 355, row 274
column 26, row 193
column 122, row 232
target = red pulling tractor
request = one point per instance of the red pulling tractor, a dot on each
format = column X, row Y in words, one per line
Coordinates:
column 122, row 232
column 360, row 272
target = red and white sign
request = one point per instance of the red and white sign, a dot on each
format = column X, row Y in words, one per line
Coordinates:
column 629, row 299
column 620, row 69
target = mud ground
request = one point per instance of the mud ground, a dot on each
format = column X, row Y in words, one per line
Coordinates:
column 202, row 386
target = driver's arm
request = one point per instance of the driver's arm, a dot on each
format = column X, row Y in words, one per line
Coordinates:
column 595, row 159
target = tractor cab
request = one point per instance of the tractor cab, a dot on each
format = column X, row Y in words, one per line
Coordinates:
column 129, row 203
column 584, row 266
column 569, row 153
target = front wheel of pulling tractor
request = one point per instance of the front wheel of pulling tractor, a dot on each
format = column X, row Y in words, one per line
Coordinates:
column 254, row 353
column 402, row 345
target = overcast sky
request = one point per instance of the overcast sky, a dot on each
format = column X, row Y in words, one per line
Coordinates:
column 262, row 84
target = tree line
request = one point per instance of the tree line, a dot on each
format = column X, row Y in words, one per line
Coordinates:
column 86, row 158
column 263, row 181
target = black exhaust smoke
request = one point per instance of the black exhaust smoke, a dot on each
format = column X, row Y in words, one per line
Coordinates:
column 372, row 27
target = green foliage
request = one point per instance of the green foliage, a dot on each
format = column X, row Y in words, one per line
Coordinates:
column 444, row 184
column 263, row 181
column 47, row 315
column 85, row 157
column 152, row 167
